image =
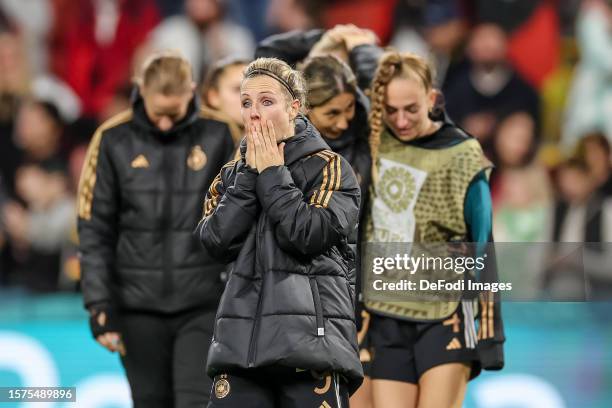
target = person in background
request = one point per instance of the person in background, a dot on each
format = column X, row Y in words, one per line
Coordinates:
column 417, row 155
column 582, row 224
column 288, row 15
column 588, row 105
column 204, row 35
column 522, row 195
column 339, row 110
column 514, row 145
column 39, row 217
column 93, row 44
column 221, row 92
column 594, row 150
column 487, row 88
column 150, row 289
column 40, row 228
column 435, row 29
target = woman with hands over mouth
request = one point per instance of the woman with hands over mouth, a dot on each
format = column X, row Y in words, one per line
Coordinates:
column 285, row 331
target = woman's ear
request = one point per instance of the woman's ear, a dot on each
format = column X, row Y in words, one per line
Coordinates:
column 212, row 97
column 431, row 98
column 294, row 108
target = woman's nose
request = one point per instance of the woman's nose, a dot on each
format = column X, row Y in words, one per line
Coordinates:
column 254, row 113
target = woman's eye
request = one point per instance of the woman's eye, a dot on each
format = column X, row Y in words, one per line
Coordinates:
column 413, row 109
column 246, row 104
column 266, row 102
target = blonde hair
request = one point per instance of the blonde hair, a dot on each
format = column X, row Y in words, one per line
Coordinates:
column 166, row 72
column 292, row 81
column 393, row 65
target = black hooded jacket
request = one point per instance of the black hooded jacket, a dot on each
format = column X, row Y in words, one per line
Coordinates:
column 289, row 298
column 140, row 197
column 354, row 147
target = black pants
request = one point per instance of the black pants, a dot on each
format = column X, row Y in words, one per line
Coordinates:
column 165, row 359
column 296, row 390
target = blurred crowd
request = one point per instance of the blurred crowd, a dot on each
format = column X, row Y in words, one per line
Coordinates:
column 531, row 79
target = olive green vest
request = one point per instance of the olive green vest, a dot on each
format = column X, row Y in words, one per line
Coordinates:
column 417, row 200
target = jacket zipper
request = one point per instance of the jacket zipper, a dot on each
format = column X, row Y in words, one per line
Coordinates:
column 255, row 331
column 314, row 287
column 166, row 223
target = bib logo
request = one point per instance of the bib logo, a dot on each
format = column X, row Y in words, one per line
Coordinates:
column 397, row 188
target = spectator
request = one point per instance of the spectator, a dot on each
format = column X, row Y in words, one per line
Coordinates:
column 94, row 45
column 590, row 99
column 533, row 33
column 522, row 203
column 514, row 145
column 582, row 215
column 38, row 131
column 39, row 221
column 13, row 87
column 594, row 150
column 33, row 19
column 203, row 35
column 437, row 35
column 488, row 87
column 39, row 229
column 288, row 15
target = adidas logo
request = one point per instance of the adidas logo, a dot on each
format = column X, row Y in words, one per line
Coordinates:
column 325, row 405
column 454, row 344
column 140, row 162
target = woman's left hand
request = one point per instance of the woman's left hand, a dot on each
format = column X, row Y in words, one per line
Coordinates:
column 267, row 152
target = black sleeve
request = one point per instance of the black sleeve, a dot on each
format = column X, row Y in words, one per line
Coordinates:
column 364, row 61
column 291, row 47
column 310, row 224
column 97, row 222
column 491, row 336
column 230, row 211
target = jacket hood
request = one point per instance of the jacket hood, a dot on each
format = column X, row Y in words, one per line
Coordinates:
column 306, row 141
column 142, row 120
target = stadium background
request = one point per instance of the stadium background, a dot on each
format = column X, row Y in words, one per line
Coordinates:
column 77, row 58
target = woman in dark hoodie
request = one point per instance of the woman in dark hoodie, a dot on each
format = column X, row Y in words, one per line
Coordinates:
column 339, row 110
column 285, row 334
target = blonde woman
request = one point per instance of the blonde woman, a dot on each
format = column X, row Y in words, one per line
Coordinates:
column 150, row 289
column 285, row 333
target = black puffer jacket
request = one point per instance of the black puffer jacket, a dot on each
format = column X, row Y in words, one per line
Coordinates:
column 289, row 298
column 140, row 197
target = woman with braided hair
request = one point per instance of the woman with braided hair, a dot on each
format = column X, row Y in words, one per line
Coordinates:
column 430, row 185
